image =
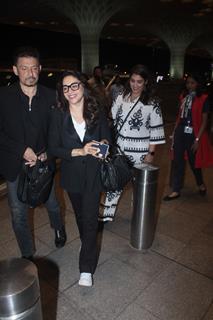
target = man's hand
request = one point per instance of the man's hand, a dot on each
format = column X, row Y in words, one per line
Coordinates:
column 30, row 157
column 42, row 156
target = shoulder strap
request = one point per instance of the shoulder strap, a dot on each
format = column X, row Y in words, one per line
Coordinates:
column 127, row 116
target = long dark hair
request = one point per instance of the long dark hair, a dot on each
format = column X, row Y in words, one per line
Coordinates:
column 91, row 108
column 143, row 72
column 200, row 84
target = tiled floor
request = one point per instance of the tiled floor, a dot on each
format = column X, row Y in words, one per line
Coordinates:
column 172, row 280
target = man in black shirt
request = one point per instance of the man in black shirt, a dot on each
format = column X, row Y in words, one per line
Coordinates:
column 24, row 122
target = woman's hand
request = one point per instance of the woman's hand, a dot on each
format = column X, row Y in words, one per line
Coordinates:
column 148, row 158
column 150, row 154
column 195, row 146
column 171, row 137
column 104, row 141
column 90, row 148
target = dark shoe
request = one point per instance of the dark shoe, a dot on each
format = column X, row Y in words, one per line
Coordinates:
column 202, row 190
column 60, row 238
column 170, row 198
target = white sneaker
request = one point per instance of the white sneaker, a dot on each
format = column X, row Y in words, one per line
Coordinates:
column 85, row 279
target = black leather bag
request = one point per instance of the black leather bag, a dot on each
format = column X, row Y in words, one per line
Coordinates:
column 116, row 172
column 35, row 183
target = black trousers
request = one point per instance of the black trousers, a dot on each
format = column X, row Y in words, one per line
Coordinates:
column 86, row 208
column 183, row 142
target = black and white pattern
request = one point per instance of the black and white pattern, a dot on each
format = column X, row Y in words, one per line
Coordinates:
column 136, row 121
column 144, row 127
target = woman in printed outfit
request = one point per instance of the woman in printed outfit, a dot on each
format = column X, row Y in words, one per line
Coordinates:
column 142, row 130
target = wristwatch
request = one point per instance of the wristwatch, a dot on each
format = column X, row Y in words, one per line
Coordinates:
column 152, row 153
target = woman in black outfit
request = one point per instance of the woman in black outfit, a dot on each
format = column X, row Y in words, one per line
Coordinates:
column 75, row 125
column 190, row 137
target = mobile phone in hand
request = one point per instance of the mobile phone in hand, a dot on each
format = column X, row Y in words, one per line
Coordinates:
column 103, row 147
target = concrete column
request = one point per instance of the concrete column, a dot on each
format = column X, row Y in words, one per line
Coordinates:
column 178, row 37
column 209, row 48
column 204, row 43
column 177, row 61
column 89, row 50
column 89, row 16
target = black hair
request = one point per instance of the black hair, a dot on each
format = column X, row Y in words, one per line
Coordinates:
column 91, row 108
column 94, row 71
column 97, row 67
column 200, row 81
column 25, row 51
column 142, row 71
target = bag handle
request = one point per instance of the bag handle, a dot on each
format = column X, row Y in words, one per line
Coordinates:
column 35, row 169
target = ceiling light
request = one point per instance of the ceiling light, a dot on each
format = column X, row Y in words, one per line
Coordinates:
column 208, row 2
column 39, row 22
column 114, row 24
column 129, row 24
column 198, row 14
column 187, row 1
column 206, row 10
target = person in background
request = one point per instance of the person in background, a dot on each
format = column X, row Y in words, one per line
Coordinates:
column 210, row 115
column 24, row 122
column 116, row 88
column 190, row 136
column 96, row 81
column 97, row 85
column 76, row 127
column 138, row 120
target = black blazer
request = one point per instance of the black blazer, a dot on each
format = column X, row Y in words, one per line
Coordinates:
column 80, row 173
column 17, row 130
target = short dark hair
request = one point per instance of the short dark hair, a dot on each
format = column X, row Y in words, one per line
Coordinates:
column 97, row 67
column 25, row 51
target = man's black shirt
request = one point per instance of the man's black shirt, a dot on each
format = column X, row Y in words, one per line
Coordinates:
column 22, row 125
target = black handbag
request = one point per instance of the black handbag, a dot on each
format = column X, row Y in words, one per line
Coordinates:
column 116, row 169
column 35, row 183
column 115, row 172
